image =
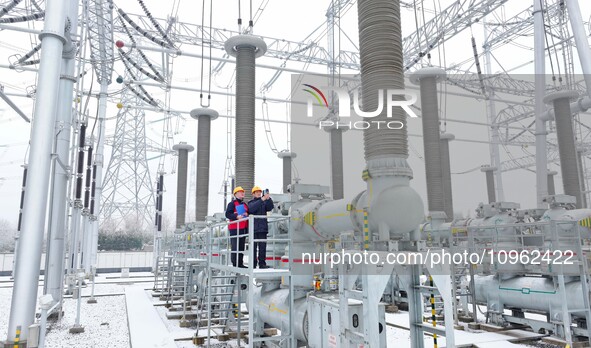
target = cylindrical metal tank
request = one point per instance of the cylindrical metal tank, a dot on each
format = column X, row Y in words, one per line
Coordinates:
column 530, row 293
column 273, row 308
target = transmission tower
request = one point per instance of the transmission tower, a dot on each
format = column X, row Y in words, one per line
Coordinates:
column 128, row 190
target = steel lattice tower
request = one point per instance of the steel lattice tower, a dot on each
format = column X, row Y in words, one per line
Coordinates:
column 128, row 190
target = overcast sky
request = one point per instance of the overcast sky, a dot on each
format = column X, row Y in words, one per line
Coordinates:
column 291, row 20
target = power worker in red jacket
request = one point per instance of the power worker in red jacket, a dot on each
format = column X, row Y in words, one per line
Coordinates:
column 236, row 210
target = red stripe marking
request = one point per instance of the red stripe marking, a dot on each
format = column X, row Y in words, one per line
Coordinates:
column 301, row 261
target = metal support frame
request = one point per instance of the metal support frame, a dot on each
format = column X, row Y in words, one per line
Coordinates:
column 22, row 310
column 62, row 168
column 218, row 263
column 551, row 236
column 540, row 91
column 127, row 188
column 580, row 35
column 491, row 112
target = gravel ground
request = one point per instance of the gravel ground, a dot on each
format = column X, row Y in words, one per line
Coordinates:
column 105, row 325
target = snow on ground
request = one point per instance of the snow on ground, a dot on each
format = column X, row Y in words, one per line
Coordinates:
column 484, row 339
column 173, row 325
column 146, row 329
column 109, row 311
column 5, row 298
column 105, row 325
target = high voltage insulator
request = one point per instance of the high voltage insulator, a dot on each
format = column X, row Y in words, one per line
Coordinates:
column 148, row 99
column 143, row 32
column 9, row 7
column 29, row 54
column 27, row 18
column 141, row 53
column 156, row 25
column 137, row 66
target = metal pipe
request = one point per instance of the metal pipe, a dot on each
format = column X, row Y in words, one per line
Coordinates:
column 246, row 48
column 20, row 220
column 55, row 255
column 86, row 231
column 490, row 182
column 26, row 280
column 225, row 194
column 159, row 222
column 204, row 117
column 409, row 87
column 101, row 15
column 540, row 90
column 287, row 158
column 183, row 150
column 13, row 106
column 566, row 143
column 446, row 172
column 157, row 234
column 581, row 41
column 427, row 78
column 77, row 211
column 98, row 173
column 495, row 156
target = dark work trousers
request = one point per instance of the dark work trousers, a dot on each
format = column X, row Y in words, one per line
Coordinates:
column 262, row 250
column 238, row 245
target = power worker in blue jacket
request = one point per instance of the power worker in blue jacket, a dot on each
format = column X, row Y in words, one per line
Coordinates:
column 236, row 210
column 260, row 205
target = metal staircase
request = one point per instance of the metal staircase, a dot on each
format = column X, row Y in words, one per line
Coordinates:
column 218, row 302
column 177, row 270
column 161, row 275
column 229, row 288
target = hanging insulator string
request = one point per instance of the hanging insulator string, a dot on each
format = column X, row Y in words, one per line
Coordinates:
column 202, row 50
column 239, row 17
column 250, row 22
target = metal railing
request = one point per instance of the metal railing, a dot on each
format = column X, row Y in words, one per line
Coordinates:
column 217, row 252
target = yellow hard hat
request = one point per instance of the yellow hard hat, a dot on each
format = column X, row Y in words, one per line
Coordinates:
column 237, row 189
column 255, row 189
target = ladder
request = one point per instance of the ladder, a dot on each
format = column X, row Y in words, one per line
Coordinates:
column 462, row 295
column 177, row 281
column 579, row 267
column 217, row 300
column 161, row 274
